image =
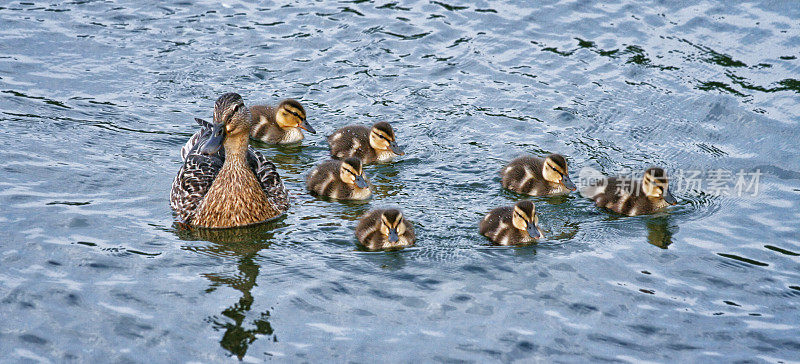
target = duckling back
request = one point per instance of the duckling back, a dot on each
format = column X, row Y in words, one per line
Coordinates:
column 352, row 141
column 525, row 175
column 623, row 196
column 497, row 226
column 325, row 180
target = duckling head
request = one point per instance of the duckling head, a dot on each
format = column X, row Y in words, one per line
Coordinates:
column 655, row 185
column 291, row 114
column 381, row 137
column 392, row 225
column 351, row 172
column 554, row 170
column 232, row 123
column 525, row 218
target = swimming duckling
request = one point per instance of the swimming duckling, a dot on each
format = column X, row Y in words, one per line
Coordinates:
column 342, row 180
column 371, row 145
column 280, row 125
column 629, row 197
column 385, row 229
column 512, row 225
column 536, row 176
column 223, row 182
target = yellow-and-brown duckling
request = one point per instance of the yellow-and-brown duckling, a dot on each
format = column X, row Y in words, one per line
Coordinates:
column 630, row 197
column 537, row 177
column 376, row 144
column 280, row 125
column 223, row 182
column 512, row 225
column 385, row 229
column 343, row 180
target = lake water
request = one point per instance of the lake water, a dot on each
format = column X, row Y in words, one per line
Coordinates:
column 97, row 97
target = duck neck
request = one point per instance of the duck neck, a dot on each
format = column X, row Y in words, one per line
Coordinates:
column 235, row 151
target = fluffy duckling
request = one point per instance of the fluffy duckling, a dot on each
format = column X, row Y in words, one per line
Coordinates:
column 280, row 125
column 342, row 180
column 629, row 197
column 223, row 182
column 536, row 176
column 371, row 145
column 512, row 225
column 385, row 229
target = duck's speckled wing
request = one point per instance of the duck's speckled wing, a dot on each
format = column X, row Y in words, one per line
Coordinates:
column 192, row 183
column 270, row 180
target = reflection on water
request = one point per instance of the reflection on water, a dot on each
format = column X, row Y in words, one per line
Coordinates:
column 660, row 231
column 243, row 245
column 96, row 99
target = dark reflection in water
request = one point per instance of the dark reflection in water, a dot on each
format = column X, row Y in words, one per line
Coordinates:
column 243, row 245
column 660, row 231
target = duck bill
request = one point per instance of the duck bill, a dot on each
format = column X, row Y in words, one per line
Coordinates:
column 393, row 237
column 396, row 148
column 669, row 198
column 568, row 183
column 307, row 127
column 214, row 143
column 361, row 182
column 533, row 231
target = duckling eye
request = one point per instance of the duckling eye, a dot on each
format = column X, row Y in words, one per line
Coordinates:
column 383, row 137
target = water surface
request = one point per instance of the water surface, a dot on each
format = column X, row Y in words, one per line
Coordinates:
column 96, row 99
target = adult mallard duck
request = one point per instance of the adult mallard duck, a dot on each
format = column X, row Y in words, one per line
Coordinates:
column 385, row 229
column 223, row 182
column 512, row 225
column 376, row 144
column 537, row 177
column 630, row 197
column 280, row 125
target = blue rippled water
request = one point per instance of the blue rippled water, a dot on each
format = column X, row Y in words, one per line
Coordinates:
column 97, row 97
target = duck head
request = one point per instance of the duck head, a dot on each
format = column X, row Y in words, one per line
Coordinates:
column 525, row 219
column 554, row 170
column 381, row 138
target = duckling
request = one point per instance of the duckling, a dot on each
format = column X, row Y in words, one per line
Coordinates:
column 280, row 125
column 342, row 180
column 512, row 225
column 536, row 176
column 223, row 182
column 385, row 229
column 628, row 197
column 371, row 145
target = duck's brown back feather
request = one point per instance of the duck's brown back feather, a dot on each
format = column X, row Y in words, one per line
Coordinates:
column 352, row 141
column 624, row 196
column 324, row 180
column 497, row 226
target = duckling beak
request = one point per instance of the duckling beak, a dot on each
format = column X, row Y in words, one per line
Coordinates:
column 214, row 143
column 533, row 231
column 396, row 148
column 568, row 183
column 393, row 238
column 306, row 126
column 361, row 182
column 669, row 198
